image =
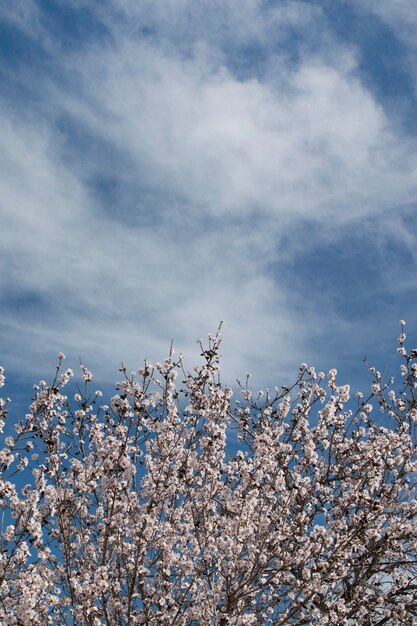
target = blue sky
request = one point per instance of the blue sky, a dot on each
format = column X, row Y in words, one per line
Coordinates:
column 169, row 164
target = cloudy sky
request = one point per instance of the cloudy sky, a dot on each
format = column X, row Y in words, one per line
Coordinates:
column 166, row 165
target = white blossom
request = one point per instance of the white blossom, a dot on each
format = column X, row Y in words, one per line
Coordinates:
column 150, row 510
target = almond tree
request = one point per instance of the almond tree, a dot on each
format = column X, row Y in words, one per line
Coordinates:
column 175, row 505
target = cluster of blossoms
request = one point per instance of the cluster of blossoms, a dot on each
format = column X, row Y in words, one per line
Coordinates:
column 174, row 505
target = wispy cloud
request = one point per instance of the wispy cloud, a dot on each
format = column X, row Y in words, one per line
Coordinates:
column 181, row 167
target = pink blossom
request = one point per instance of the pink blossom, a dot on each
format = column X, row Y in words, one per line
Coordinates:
column 176, row 505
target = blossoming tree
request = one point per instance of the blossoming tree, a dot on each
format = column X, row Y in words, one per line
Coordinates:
column 175, row 505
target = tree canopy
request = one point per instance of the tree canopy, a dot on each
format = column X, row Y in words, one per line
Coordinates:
column 176, row 504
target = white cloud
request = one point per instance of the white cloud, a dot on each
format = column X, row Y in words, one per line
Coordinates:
column 400, row 15
column 238, row 162
column 313, row 140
